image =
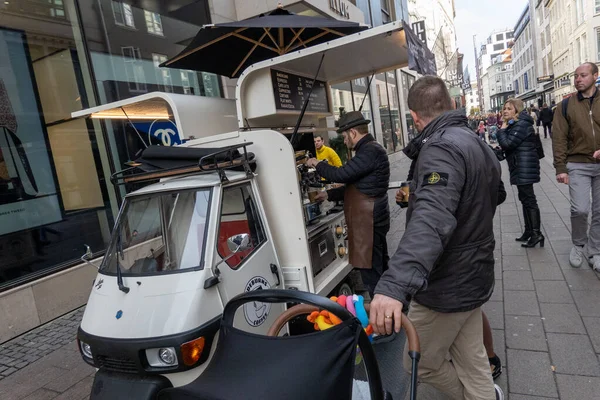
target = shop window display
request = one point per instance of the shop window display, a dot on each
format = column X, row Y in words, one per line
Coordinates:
column 53, row 198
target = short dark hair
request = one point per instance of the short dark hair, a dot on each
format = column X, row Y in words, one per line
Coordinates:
column 429, row 97
column 319, row 136
column 592, row 66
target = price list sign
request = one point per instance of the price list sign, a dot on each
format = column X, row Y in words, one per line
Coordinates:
column 291, row 90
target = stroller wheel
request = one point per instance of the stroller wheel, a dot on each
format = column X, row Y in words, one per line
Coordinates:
column 499, row 393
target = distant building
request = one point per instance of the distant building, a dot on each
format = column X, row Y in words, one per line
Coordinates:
column 524, row 55
column 495, row 45
column 500, row 75
column 472, row 99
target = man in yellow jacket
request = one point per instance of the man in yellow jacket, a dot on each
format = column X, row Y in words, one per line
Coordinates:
column 326, row 153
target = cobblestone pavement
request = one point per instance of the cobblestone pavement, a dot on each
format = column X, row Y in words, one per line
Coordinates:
column 18, row 353
column 545, row 315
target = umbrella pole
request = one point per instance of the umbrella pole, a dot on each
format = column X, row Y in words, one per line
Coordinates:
column 368, row 92
column 305, row 105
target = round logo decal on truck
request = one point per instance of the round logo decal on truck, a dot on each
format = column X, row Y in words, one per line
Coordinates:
column 256, row 313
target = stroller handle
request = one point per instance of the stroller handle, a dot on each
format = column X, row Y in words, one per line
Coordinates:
column 280, row 296
column 302, row 309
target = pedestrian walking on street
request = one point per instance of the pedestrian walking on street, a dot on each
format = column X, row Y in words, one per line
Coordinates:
column 546, row 120
column 481, row 131
column 519, row 141
column 576, row 144
column 444, row 265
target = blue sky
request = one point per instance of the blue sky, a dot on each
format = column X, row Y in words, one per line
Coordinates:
column 481, row 18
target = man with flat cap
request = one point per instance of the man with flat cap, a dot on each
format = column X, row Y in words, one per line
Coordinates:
column 367, row 177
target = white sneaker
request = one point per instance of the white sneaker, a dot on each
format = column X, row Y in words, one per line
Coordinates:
column 595, row 263
column 576, row 257
column 499, row 392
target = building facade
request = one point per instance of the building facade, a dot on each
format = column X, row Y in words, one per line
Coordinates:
column 440, row 32
column 543, row 43
column 496, row 43
column 484, row 92
column 500, row 76
column 524, row 57
column 472, row 99
column 58, row 57
column 560, row 32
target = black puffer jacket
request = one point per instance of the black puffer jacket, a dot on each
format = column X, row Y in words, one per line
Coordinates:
column 445, row 259
column 519, row 143
column 369, row 171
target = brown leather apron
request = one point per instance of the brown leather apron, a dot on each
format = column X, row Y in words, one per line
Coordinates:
column 358, row 209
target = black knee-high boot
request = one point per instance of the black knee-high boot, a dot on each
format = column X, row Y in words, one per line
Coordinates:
column 536, row 233
column 527, row 234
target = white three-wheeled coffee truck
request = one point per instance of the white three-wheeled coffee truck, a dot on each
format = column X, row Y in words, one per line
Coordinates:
column 229, row 211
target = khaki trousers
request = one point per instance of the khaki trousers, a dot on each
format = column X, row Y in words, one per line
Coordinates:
column 459, row 335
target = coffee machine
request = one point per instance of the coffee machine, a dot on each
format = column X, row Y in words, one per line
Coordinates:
column 310, row 185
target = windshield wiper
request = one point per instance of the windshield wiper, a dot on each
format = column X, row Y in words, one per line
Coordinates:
column 122, row 286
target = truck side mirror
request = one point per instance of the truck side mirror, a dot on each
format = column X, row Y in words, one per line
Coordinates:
column 239, row 242
column 88, row 256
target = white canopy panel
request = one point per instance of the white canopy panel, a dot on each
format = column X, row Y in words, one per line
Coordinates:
column 376, row 50
column 194, row 116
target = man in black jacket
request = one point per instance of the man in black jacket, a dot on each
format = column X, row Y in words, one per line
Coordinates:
column 367, row 177
column 444, row 265
column 546, row 116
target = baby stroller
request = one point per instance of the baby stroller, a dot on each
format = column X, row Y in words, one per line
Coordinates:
column 319, row 365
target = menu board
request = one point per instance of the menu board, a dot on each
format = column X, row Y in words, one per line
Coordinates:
column 291, row 90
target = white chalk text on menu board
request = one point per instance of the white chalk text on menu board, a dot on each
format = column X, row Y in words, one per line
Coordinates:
column 291, row 90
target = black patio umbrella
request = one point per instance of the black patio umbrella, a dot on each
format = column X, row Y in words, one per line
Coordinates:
column 228, row 49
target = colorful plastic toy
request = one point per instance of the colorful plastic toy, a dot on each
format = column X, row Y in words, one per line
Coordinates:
column 355, row 304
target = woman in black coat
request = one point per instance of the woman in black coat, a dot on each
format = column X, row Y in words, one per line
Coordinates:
column 517, row 137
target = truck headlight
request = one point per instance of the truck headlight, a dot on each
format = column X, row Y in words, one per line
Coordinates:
column 167, row 356
column 162, row 357
column 86, row 350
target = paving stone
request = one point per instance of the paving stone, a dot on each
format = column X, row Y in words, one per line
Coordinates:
column 521, row 303
column 592, row 324
column 513, row 249
column 553, row 292
column 573, row 354
column 497, row 295
column 581, row 279
column 42, row 394
column 9, row 371
column 578, row 387
column 542, row 256
column 588, row 302
column 70, row 378
column 79, row 391
column 530, row 373
column 561, row 318
column 525, row 397
column 515, row 263
column 495, row 314
column 525, row 333
column 561, row 246
column 546, row 272
column 518, row 280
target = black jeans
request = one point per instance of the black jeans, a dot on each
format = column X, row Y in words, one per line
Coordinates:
column 370, row 277
column 527, row 196
column 548, row 129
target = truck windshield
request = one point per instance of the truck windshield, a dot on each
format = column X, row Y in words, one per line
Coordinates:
column 159, row 233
